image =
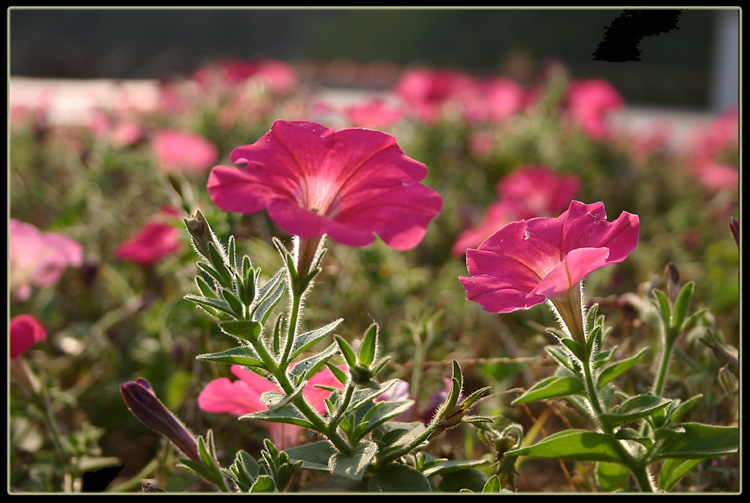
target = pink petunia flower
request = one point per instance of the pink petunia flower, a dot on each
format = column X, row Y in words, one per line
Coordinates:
column 375, row 113
column 182, row 151
column 529, row 261
column 349, row 184
column 492, row 100
column 242, row 397
column 589, row 103
column 39, row 258
column 156, row 239
column 25, row 331
column 275, row 75
column 528, row 192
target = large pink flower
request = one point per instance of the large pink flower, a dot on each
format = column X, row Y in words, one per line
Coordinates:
column 312, row 180
column 25, row 331
column 529, row 261
column 183, row 151
column 39, row 258
column 242, row 397
column 528, row 192
column 156, row 239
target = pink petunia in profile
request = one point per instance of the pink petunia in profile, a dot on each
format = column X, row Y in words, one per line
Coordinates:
column 349, row 184
column 25, row 331
column 242, row 396
column 156, row 239
column 38, row 258
column 589, row 104
column 528, row 192
column 529, row 261
column 183, row 151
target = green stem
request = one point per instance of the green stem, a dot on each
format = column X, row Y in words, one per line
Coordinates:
column 661, row 374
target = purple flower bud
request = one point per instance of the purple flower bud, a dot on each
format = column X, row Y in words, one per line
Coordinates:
column 144, row 404
column 734, row 226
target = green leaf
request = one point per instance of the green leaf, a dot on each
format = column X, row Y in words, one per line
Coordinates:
column 268, row 296
column 241, row 355
column 664, row 308
column 243, row 471
column 699, row 441
column 574, row 348
column 552, row 387
column 303, row 341
column 303, row 369
column 369, row 346
column 234, row 303
column 218, row 261
column 398, row 478
column 443, row 467
column 393, row 434
column 680, row 408
column 612, row 477
column 574, row 445
column 205, row 288
column 634, row 408
column 346, row 350
column 314, row 456
column 263, row 484
column 286, row 415
column 561, row 356
column 353, row 466
column 682, row 305
column 211, row 304
column 492, row 485
column 247, row 330
column 673, row 470
column 275, row 400
column 611, row 372
column 371, row 419
column 363, row 395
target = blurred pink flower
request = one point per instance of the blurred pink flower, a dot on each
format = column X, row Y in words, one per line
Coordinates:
column 39, row 258
column 156, row 239
column 275, row 75
column 588, row 104
column 182, row 151
column 120, row 131
column 493, row 100
column 529, row 261
column 25, row 331
column 528, row 192
column 427, row 92
column 714, row 150
column 242, row 397
column 312, row 180
column 375, row 113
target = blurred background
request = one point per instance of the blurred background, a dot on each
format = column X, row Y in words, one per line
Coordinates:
column 692, row 67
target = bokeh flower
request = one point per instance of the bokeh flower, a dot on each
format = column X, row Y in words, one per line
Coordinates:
column 589, row 103
column 529, row 261
column 375, row 113
column 25, row 331
column 39, row 258
column 242, row 396
column 528, row 192
column 714, row 152
column 156, row 239
column 430, row 93
column 182, row 151
column 349, row 184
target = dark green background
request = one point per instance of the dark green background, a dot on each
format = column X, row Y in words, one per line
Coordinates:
column 675, row 67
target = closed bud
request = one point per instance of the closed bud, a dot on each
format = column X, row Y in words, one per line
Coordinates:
column 672, row 276
column 144, row 404
column 200, row 231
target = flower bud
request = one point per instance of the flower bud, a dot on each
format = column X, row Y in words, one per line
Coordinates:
column 144, row 404
column 200, row 231
column 734, row 226
column 672, row 276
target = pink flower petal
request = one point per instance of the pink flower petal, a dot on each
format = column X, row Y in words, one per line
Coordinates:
column 528, row 261
column 349, row 184
column 25, row 331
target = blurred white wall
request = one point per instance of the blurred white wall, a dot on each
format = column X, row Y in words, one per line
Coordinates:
column 726, row 67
